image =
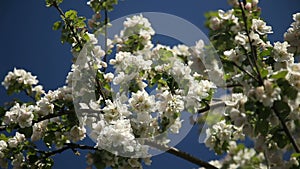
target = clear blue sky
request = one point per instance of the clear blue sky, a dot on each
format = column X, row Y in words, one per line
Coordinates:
column 27, row 41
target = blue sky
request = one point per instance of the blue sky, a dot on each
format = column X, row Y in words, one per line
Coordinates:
column 28, row 41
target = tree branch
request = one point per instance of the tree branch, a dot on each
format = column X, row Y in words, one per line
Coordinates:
column 286, row 130
column 181, row 154
column 68, row 146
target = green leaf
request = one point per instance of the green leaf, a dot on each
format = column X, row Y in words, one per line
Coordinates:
column 165, row 54
column 279, row 74
column 264, row 73
column 281, row 139
column 27, row 131
column 282, row 109
column 250, row 106
column 100, row 165
column 80, row 22
column 266, row 52
column 49, row 137
column 3, row 137
column 287, row 89
column 71, row 14
column 57, row 25
column 32, row 158
column 49, row 3
column 155, row 78
column 264, row 112
column 295, row 155
column 262, row 126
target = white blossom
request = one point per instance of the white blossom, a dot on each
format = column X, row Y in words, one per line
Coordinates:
column 38, row 130
column 142, row 102
column 280, row 52
column 225, row 15
column 267, row 93
column 114, row 110
column 16, row 140
column 215, row 23
column 260, row 27
column 3, row 147
column 137, row 24
column 292, row 36
column 77, row 133
column 294, row 75
column 170, row 104
column 241, row 39
column 174, row 128
column 108, row 77
column 235, row 99
column 92, row 38
column 17, row 161
column 45, row 106
column 235, row 56
column 181, row 50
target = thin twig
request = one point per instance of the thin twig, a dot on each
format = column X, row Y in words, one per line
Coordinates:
column 206, row 108
column 253, row 50
column 68, row 24
column 243, row 70
column 105, row 35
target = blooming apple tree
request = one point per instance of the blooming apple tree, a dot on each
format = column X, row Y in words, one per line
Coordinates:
column 129, row 94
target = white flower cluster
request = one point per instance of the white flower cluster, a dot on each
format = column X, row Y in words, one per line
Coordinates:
column 19, row 76
column 292, row 36
column 117, row 137
column 220, row 134
column 135, row 115
column 267, row 94
column 22, row 115
column 128, row 63
column 45, row 105
column 16, row 140
column 235, row 109
column 13, row 142
column 216, row 22
column 137, row 25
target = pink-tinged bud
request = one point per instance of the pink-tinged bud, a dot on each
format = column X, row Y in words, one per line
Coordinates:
column 215, row 23
column 91, row 23
column 97, row 16
column 254, row 2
